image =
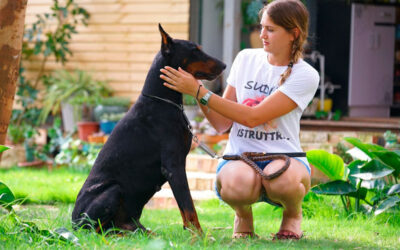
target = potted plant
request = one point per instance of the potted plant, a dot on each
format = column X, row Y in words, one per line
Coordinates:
column 31, row 148
column 111, row 105
column 64, row 89
column 391, row 140
column 109, row 120
column 190, row 106
column 83, row 107
column 22, row 133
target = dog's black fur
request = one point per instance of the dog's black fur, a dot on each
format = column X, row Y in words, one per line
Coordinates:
column 147, row 148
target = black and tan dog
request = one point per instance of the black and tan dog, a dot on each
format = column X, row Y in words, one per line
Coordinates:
column 147, row 148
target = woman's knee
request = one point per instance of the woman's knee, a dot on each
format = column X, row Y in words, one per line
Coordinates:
column 238, row 184
column 291, row 186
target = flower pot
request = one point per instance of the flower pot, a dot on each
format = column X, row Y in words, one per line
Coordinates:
column 32, row 164
column 87, row 128
column 96, row 139
column 107, row 126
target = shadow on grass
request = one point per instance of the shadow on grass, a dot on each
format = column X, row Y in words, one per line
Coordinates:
column 268, row 243
column 319, row 243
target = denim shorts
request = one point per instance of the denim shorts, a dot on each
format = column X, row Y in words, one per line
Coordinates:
column 262, row 165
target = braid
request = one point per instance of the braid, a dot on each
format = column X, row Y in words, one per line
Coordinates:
column 297, row 52
column 289, row 14
column 286, row 74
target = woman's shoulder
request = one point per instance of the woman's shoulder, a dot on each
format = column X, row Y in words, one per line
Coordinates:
column 302, row 67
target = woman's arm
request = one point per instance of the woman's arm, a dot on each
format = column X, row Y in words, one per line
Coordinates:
column 218, row 121
column 274, row 106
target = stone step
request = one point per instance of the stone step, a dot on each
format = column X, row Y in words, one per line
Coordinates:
column 201, row 163
column 198, row 181
column 165, row 198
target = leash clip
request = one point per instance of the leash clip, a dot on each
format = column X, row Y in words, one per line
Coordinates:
column 205, row 148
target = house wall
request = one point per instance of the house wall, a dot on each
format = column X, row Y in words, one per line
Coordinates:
column 120, row 41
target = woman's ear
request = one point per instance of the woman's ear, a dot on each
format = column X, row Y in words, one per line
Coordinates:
column 295, row 33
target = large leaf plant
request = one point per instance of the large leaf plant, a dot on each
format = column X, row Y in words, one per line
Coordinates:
column 370, row 181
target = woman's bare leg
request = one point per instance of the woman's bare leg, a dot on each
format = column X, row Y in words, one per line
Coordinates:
column 289, row 190
column 239, row 186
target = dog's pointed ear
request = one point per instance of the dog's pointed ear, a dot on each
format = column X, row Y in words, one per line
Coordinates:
column 166, row 41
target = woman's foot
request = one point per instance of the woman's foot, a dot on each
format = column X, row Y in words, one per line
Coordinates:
column 244, row 235
column 291, row 222
column 287, row 235
column 243, row 224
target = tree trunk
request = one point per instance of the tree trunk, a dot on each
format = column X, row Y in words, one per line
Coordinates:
column 12, row 18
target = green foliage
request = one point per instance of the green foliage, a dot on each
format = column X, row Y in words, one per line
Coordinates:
column 44, row 39
column 112, row 117
column 56, row 140
column 372, row 170
column 22, row 121
column 338, row 231
column 390, row 158
column 368, row 181
column 341, row 150
column 41, row 186
column 390, row 136
column 324, row 224
column 114, row 101
column 75, row 88
column 337, row 187
column 390, row 202
column 15, row 133
column 78, row 154
column 3, row 148
column 188, row 100
column 6, row 196
column 331, row 165
column 48, row 36
column 337, row 114
column 251, row 11
column 320, row 114
column 7, row 199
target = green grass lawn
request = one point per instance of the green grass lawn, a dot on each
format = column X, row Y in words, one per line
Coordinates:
column 325, row 224
column 43, row 187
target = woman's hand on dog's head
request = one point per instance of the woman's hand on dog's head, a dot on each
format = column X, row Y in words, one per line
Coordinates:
column 179, row 80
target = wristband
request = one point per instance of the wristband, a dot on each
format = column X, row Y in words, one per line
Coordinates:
column 198, row 91
column 205, row 98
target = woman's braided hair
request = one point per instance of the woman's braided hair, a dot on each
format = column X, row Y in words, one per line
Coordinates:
column 290, row 14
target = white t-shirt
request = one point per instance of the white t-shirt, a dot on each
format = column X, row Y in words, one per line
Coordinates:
column 255, row 79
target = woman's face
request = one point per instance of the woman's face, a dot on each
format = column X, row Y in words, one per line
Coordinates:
column 275, row 38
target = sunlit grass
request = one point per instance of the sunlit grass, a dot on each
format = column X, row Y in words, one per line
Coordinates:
column 325, row 224
column 42, row 186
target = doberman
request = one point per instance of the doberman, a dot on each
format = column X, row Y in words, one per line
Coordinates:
column 146, row 148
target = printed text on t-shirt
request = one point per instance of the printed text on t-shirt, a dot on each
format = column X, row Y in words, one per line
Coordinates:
column 260, row 135
column 263, row 88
